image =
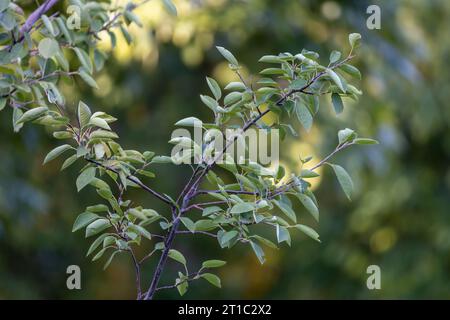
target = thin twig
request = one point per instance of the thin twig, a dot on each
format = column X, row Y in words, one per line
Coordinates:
column 147, row 256
column 190, row 277
column 199, row 192
column 137, row 268
column 135, row 180
column 339, row 148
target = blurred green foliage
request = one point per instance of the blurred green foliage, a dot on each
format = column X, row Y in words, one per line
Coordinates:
column 399, row 219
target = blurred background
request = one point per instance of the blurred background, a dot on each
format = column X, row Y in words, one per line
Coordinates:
column 399, row 218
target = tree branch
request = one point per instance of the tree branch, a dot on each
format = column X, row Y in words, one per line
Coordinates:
column 36, row 15
column 137, row 268
column 162, row 260
column 190, row 189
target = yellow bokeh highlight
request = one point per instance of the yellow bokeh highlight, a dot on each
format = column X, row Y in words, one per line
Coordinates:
column 192, row 56
column 331, row 10
column 182, row 33
column 104, row 82
column 383, row 240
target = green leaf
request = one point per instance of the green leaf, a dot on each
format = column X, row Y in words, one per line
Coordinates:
column 309, row 204
column 334, row 56
column 126, row 34
column 148, row 155
column 110, row 259
column 210, row 210
column 235, row 86
column 267, row 91
column 109, row 241
column 32, row 114
column 190, row 122
column 270, row 59
column 188, row 223
column 205, row 225
column 346, row 135
column 286, row 209
column 305, row 173
column 48, row 48
column 56, row 152
column 141, row 230
column 303, row 115
column 102, row 134
column 63, row 28
column 17, row 113
column 133, row 18
column 85, row 178
column 84, row 113
column 146, row 173
column 265, row 241
column 228, row 56
column 96, row 243
column 354, row 39
column 227, row 236
column 99, row 122
column 87, row 78
column 273, row 71
column 4, row 5
column 297, row 84
column 365, row 141
column 351, row 70
column 69, row 161
column 100, row 254
column 213, row 263
column 52, row 92
column 215, row 89
column 7, row 20
column 99, row 184
column 99, row 150
column 177, row 256
column 344, row 180
column 310, row 232
column 337, row 103
column 353, row 91
column 161, row 159
column 97, row 226
column 2, row 103
column 48, row 25
column 106, row 194
column 212, row 278
column 97, row 208
column 242, row 207
column 283, row 234
column 334, row 76
column 258, row 251
column 62, row 135
column 268, row 82
column 83, row 220
column 209, row 102
column 182, row 286
column 170, row 7
column 85, row 60
column 232, row 97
